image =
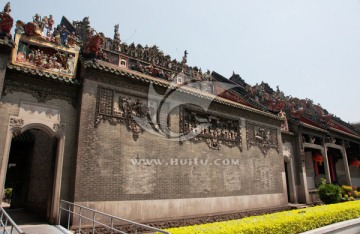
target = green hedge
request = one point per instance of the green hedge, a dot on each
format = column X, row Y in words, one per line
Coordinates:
column 293, row 221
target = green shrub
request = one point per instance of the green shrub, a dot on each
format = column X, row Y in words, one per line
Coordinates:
column 329, row 193
column 8, row 193
column 294, row 221
column 349, row 191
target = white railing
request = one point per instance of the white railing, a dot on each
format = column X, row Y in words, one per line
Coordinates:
column 8, row 226
column 90, row 219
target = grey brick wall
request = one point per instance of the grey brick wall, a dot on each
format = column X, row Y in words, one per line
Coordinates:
column 4, row 58
column 104, row 171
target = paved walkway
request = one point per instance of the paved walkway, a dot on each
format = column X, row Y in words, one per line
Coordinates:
column 31, row 224
column 41, row 229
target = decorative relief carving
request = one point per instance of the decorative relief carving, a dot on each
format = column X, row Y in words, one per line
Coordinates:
column 57, row 127
column 39, row 111
column 261, row 136
column 215, row 131
column 346, row 144
column 16, row 122
column 287, row 158
column 41, row 93
column 129, row 109
column 284, row 125
column 133, row 112
column 330, row 139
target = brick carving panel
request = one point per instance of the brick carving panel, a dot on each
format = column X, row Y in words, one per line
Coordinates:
column 213, row 130
column 263, row 137
column 16, row 122
column 136, row 113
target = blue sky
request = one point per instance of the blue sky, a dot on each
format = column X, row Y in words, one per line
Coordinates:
column 311, row 49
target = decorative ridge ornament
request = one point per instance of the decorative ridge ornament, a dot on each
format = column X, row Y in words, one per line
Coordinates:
column 116, row 41
column 92, row 47
column 276, row 101
column 6, row 22
column 45, row 49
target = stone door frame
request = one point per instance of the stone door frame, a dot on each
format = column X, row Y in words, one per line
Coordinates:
column 18, row 125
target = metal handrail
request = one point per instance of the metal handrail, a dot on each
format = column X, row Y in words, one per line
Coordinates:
column 6, row 222
column 70, row 210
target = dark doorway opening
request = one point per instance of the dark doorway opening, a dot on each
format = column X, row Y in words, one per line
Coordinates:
column 287, row 181
column 336, row 166
column 30, row 172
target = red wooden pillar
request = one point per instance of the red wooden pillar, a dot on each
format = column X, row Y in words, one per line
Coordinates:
column 332, row 168
column 316, row 168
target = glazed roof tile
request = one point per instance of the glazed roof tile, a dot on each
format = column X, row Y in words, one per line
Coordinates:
column 311, row 126
column 345, row 133
column 42, row 73
column 347, row 125
column 240, row 91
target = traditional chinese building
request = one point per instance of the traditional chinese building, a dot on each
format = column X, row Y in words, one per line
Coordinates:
column 127, row 130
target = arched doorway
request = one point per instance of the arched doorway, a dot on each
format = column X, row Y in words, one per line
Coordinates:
column 30, row 172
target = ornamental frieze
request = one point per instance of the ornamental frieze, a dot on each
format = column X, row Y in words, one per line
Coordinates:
column 58, row 127
column 213, row 130
column 16, row 122
column 262, row 137
column 41, row 46
column 135, row 113
column 41, row 93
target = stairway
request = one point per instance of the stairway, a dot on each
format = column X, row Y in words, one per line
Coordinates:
column 42, row 229
column 27, row 223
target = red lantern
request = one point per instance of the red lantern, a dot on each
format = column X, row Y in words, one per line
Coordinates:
column 318, row 158
column 355, row 163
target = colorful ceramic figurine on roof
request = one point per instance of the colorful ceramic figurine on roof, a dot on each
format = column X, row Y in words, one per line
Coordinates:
column 33, row 28
column 6, row 22
column 38, row 48
column 93, row 45
column 49, row 24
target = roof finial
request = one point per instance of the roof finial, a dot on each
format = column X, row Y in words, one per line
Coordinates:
column 116, row 41
column 184, row 58
column 6, row 21
column 7, row 8
column 116, row 32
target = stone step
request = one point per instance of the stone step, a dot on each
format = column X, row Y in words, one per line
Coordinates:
column 44, row 229
column 298, row 206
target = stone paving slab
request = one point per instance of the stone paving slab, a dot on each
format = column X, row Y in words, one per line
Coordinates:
column 43, row 229
column 39, row 229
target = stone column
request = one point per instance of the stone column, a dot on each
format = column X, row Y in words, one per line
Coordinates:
column 300, row 154
column 346, row 166
column 326, row 164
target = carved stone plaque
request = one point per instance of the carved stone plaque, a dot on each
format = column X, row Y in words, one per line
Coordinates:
column 213, row 130
column 16, row 122
column 136, row 113
column 262, row 137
